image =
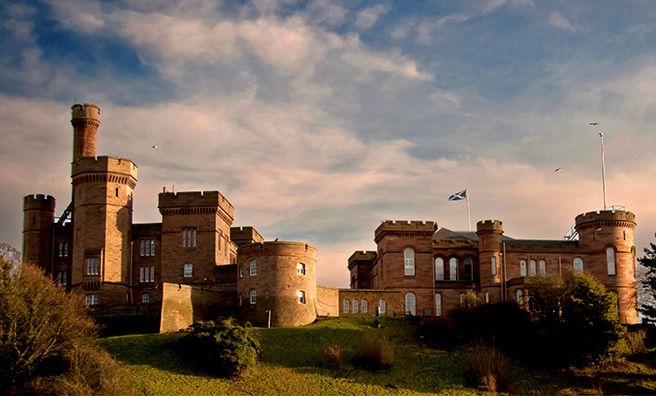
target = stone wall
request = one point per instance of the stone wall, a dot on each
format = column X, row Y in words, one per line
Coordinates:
column 393, row 298
column 182, row 305
column 327, row 301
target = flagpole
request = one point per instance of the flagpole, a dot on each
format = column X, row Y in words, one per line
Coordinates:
column 468, row 218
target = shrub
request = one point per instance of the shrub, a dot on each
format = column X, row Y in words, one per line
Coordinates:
column 374, row 352
column 489, row 369
column 632, row 343
column 332, row 354
column 223, row 348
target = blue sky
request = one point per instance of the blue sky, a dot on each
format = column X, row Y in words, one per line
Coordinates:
column 319, row 119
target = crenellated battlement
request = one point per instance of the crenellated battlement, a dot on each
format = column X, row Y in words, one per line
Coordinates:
column 39, row 202
column 244, row 235
column 405, row 226
column 616, row 218
column 170, row 201
column 104, row 163
column 279, row 247
column 489, row 225
column 364, row 255
column 85, row 111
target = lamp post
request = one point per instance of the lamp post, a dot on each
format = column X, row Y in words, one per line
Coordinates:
column 603, row 164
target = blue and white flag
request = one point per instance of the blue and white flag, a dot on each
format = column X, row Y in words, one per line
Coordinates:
column 459, row 195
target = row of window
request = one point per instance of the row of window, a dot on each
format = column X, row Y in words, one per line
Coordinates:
column 93, row 266
column 454, row 269
column 147, row 247
column 147, row 273
column 300, row 296
column 63, row 249
column 93, row 299
column 365, row 306
column 188, row 237
column 300, row 269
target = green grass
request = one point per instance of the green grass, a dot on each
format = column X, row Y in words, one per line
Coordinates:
column 291, row 363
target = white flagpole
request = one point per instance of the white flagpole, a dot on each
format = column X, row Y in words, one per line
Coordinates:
column 603, row 168
column 468, row 218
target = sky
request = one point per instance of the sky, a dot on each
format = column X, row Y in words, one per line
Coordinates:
column 320, row 119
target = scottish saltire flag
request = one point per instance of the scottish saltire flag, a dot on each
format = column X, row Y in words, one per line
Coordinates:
column 459, row 195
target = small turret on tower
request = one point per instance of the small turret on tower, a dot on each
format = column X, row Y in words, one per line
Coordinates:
column 490, row 233
column 38, row 218
column 86, row 120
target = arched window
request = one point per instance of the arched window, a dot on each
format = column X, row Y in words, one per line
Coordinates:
column 346, row 306
column 410, row 308
column 365, row 306
column 469, row 269
column 533, row 268
column 494, row 265
column 520, row 296
column 578, row 264
column 409, row 259
column 543, row 267
column 522, row 268
column 610, row 260
column 188, row 270
column 356, row 306
column 453, row 268
column 383, row 306
column 439, row 268
column 438, row 305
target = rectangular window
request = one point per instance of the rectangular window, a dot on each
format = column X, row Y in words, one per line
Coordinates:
column 610, row 260
column 438, row 305
column 184, row 238
column 188, row 270
column 241, row 272
column 439, row 268
column 142, row 248
column 543, row 267
column 147, row 243
column 193, row 238
column 301, row 296
column 152, row 273
column 66, row 249
column 61, row 249
column 188, row 237
column 453, row 268
column 93, row 266
column 145, row 298
column 253, row 296
column 92, row 299
column 532, row 267
column 494, row 265
column 152, row 247
column 141, row 274
column 62, row 278
column 300, row 269
column 253, row 268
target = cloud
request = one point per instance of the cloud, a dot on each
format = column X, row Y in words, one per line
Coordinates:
column 557, row 19
column 368, row 17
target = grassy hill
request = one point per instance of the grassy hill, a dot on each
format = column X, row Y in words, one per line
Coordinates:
column 291, row 363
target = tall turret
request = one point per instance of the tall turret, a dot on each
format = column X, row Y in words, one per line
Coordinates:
column 38, row 218
column 102, row 213
column 85, row 120
column 489, row 234
column 607, row 238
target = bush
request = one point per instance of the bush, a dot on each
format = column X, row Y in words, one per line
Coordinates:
column 374, row 352
column 489, row 369
column 332, row 354
column 632, row 343
column 222, row 348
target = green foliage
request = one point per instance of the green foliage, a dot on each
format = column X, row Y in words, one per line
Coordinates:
column 591, row 325
column 472, row 299
column 649, row 282
column 224, row 348
column 375, row 352
column 333, row 355
column 546, row 294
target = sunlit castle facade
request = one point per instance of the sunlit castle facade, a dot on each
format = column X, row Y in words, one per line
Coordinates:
column 434, row 267
column 194, row 265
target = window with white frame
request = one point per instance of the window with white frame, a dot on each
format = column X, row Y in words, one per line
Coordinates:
column 241, row 271
column 453, row 268
column 610, row 260
column 152, row 247
column 438, row 304
column 439, row 268
column 409, row 260
column 578, row 264
column 61, row 249
column 92, row 299
column 487, row 297
column 469, row 268
column 543, row 267
column 93, row 266
column 365, row 306
column 62, row 278
column 532, row 267
column 142, row 247
column 346, row 305
column 410, row 304
column 356, row 306
column 188, row 237
column 494, row 265
column 147, row 243
column 142, row 275
column 253, row 268
column 188, row 270
column 253, row 295
column 300, row 269
column 522, row 268
column 301, row 296
column 383, row 306
column 145, row 298
column 520, row 296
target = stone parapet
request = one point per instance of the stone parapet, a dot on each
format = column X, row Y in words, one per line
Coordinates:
column 615, row 218
column 404, row 226
column 184, row 202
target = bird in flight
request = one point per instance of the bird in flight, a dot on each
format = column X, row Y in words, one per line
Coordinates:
column 154, row 146
column 558, row 169
column 594, row 123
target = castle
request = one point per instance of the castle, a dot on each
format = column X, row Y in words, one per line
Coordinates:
column 196, row 265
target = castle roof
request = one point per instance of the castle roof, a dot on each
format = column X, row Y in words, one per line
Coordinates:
column 445, row 233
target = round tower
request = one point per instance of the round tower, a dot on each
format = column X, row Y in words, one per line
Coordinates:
column 489, row 234
column 85, row 120
column 608, row 252
column 102, row 213
column 277, row 278
column 38, row 218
